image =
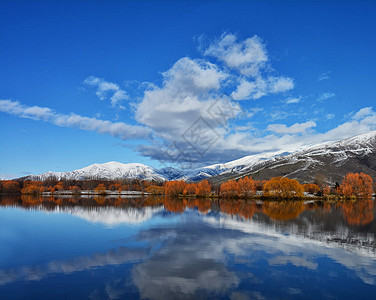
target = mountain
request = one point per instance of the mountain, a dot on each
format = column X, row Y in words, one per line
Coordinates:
column 111, row 170
column 332, row 160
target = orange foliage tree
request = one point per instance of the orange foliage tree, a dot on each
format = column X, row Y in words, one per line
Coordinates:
column 58, row 187
column 229, row 189
column 155, row 190
column 356, row 185
column 203, row 188
column 246, row 187
column 175, row 188
column 32, row 187
column 100, row 189
column 9, row 186
column 311, row 188
column 190, row 189
column 283, row 187
column 75, row 189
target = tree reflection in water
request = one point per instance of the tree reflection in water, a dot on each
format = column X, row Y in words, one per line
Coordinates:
column 359, row 212
column 354, row 213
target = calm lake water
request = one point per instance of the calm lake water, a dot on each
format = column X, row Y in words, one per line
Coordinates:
column 157, row 248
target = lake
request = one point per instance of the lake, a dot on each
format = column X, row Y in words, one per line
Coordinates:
column 161, row 248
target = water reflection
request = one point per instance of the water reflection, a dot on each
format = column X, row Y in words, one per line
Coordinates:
column 158, row 248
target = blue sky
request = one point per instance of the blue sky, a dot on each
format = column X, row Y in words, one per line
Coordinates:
column 181, row 83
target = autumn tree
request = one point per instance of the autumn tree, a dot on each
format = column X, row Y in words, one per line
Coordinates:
column 115, row 186
column 75, row 189
column 203, row 188
column 155, row 190
column 191, row 189
column 283, row 187
column 326, row 190
column 229, row 189
column 246, row 187
column 356, row 185
column 9, row 186
column 311, row 188
column 58, row 187
column 100, row 189
column 175, row 188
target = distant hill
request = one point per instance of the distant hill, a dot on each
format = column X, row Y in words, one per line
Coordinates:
column 331, row 160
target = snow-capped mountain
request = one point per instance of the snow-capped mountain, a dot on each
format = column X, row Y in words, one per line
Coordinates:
column 111, row 170
column 333, row 159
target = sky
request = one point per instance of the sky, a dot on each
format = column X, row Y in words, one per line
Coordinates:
column 179, row 83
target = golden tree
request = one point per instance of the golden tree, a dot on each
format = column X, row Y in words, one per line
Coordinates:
column 9, row 186
column 203, row 188
column 283, row 187
column 311, row 188
column 155, row 190
column 175, row 188
column 356, row 185
column 229, row 189
column 100, row 189
column 190, row 189
column 246, row 187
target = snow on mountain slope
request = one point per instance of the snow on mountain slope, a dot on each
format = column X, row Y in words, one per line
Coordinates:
column 355, row 154
column 111, row 170
column 332, row 159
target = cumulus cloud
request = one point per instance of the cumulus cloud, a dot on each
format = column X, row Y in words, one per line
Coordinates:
column 247, row 56
column 117, row 129
column 108, row 91
column 190, row 92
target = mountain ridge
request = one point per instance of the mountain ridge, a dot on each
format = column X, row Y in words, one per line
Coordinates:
column 333, row 159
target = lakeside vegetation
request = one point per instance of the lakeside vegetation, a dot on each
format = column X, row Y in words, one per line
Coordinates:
column 354, row 185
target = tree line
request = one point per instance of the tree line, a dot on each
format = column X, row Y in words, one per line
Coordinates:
column 354, row 185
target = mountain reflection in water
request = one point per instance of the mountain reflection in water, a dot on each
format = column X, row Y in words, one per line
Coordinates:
column 157, row 248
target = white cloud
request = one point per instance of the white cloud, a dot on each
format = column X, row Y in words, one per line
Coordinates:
column 293, row 129
column 292, row 100
column 107, row 90
column 364, row 112
column 260, row 87
column 190, row 89
column 330, row 116
column 325, row 96
column 280, row 84
column 118, row 129
column 193, row 90
column 247, row 56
